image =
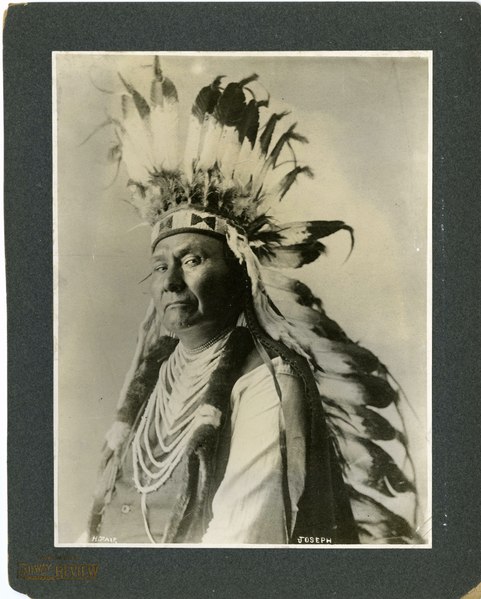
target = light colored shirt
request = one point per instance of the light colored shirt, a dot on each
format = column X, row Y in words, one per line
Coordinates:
column 248, row 506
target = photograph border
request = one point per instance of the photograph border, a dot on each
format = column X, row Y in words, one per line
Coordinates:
column 453, row 32
column 425, row 54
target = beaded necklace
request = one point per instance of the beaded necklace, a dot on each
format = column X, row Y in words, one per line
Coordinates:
column 173, row 412
column 211, row 413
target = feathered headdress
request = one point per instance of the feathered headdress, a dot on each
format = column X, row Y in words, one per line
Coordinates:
column 232, row 169
column 238, row 162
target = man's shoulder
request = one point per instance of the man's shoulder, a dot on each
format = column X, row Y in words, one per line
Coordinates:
column 254, row 360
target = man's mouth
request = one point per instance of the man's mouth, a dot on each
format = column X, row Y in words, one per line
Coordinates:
column 176, row 304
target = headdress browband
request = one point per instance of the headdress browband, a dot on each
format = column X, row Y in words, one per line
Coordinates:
column 186, row 220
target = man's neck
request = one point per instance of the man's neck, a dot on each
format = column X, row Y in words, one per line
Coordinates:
column 195, row 337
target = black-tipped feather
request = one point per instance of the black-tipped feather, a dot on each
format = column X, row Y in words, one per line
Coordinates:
column 376, row 427
column 364, row 360
column 141, row 103
column 286, row 138
column 379, row 393
column 169, row 90
column 162, row 88
column 231, row 105
column 324, row 228
column 206, row 99
column 266, row 136
column 247, row 80
column 157, row 69
column 365, row 422
column 299, row 243
column 249, row 126
column 308, row 231
column 376, row 524
column 288, row 179
column 383, row 474
column 293, row 256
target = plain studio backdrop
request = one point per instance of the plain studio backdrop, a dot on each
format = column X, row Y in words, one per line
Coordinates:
column 367, row 121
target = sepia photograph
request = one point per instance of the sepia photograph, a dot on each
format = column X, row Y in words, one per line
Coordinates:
column 242, row 299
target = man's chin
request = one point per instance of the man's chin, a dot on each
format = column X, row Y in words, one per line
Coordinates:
column 177, row 319
column 178, row 326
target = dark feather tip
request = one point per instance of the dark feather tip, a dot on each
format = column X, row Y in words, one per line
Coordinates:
column 247, row 80
column 377, row 427
column 384, row 474
column 157, row 69
column 378, row 392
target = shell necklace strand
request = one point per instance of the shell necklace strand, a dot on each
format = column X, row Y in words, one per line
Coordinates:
column 173, row 412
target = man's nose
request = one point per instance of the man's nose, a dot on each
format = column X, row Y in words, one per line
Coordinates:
column 173, row 279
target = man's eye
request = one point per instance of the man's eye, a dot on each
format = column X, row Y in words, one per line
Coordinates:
column 193, row 261
column 160, row 267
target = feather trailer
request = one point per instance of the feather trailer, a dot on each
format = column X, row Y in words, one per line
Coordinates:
column 314, row 318
column 402, row 505
column 346, row 359
column 355, row 358
column 275, row 281
column 362, row 414
column 328, row 337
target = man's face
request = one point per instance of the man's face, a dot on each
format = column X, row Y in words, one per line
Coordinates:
column 192, row 284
